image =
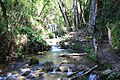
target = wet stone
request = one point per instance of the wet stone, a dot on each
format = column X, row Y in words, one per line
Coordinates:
column 21, row 78
column 64, row 68
column 79, row 67
column 35, row 75
column 48, row 69
column 48, row 63
column 12, row 77
column 107, row 72
column 48, row 66
column 33, row 61
column 26, row 73
column 40, row 69
column 2, row 78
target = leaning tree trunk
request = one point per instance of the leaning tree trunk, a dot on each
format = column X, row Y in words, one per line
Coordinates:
column 44, row 7
column 63, row 11
column 75, row 7
column 80, row 18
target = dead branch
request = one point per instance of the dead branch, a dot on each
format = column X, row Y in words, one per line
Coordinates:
column 85, row 73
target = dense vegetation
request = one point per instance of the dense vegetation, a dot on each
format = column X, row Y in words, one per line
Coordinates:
column 109, row 17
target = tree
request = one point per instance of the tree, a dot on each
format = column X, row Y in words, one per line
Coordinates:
column 63, row 11
column 92, row 15
column 83, row 4
column 75, row 7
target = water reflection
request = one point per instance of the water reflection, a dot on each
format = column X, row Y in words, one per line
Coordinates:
column 92, row 77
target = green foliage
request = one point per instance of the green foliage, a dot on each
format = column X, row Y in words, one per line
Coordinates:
column 104, row 64
column 35, row 43
column 115, row 35
column 61, row 32
column 50, row 35
column 72, row 43
column 62, row 44
column 109, row 15
column 21, row 34
column 88, row 49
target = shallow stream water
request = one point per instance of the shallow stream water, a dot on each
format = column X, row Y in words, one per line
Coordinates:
column 18, row 68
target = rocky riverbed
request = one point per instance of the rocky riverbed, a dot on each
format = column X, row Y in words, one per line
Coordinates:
column 57, row 64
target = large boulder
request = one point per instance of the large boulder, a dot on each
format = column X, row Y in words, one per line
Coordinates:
column 107, row 72
column 25, row 72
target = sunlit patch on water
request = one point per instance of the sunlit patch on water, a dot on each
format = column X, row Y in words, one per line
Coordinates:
column 55, row 48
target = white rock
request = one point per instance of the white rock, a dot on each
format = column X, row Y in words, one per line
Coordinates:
column 24, row 70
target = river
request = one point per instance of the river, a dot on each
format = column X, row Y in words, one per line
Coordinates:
column 15, row 70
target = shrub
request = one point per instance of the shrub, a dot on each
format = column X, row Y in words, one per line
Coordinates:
column 115, row 35
column 50, row 35
column 34, row 43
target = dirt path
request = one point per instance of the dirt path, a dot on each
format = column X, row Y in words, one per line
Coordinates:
column 105, row 54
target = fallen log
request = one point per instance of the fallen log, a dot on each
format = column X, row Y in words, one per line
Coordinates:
column 85, row 73
column 90, row 70
column 74, row 54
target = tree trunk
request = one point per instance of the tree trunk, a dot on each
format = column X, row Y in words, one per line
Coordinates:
column 92, row 16
column 44, row 7
column 81, row 17
column 75, row 7
column 80, row 13
column 63, row 11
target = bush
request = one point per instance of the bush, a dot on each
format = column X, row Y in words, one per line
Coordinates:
column 34, row 43
column 72, row 43
column 115, row 35
column 60, row 33
column 50, row 35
